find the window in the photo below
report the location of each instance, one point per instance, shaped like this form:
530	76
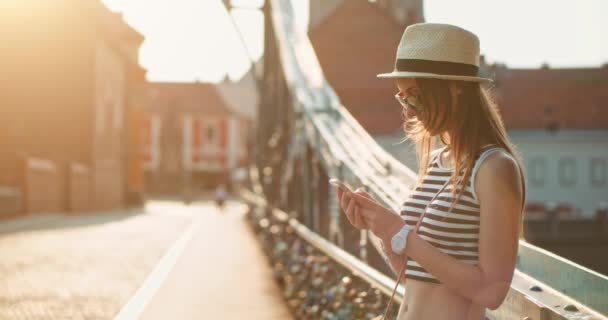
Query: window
151	142
243	132
538	168
567	172
599	171
210	133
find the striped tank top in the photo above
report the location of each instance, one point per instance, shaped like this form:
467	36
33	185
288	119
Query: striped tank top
456	233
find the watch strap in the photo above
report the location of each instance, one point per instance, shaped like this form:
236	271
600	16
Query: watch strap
402	233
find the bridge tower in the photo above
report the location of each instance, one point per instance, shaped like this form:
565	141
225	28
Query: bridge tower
354	40
404	12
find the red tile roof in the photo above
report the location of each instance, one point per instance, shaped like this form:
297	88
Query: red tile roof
185	97
568	98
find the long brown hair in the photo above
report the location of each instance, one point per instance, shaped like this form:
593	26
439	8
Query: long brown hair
474	117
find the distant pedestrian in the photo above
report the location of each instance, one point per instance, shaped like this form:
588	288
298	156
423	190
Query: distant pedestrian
220	195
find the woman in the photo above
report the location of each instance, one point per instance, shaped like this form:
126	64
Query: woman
462	259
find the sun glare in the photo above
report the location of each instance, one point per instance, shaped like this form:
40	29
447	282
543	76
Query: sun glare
191	40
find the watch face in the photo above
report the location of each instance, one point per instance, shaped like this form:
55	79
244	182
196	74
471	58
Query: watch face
397	243
398	240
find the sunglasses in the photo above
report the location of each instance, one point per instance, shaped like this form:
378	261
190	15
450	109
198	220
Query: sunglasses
411	100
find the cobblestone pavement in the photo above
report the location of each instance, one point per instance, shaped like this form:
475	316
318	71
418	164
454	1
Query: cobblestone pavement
83	266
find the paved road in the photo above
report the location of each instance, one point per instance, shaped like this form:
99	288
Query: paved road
221	274
56	266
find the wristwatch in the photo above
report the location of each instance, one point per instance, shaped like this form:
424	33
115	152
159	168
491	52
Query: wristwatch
399	240
388	252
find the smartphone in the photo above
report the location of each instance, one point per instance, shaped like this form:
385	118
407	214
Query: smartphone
340	184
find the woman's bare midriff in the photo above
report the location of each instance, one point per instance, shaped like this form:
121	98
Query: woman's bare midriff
427	300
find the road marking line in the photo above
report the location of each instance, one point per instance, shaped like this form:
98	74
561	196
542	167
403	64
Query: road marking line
138	303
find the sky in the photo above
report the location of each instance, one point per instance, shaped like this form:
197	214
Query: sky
196	40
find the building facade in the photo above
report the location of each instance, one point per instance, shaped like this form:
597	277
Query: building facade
194	139
70	83
558	119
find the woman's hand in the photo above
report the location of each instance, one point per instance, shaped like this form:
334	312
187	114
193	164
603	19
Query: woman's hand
350	208
381	221
364	212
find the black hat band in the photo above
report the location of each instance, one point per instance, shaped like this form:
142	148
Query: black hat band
437	67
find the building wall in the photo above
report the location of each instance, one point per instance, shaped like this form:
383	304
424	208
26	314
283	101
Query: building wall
62	104
161	152
209	148
404	11
201	152
134	164
151	141
570	166
43	186
108	161
45	99
79	188
171	142
320	10
233	146
245	127
237	146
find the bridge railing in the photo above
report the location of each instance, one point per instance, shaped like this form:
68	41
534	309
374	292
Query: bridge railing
305	136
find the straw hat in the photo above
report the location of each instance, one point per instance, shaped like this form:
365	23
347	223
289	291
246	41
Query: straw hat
436	50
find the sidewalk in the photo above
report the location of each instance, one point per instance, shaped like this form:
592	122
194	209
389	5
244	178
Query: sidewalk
221	273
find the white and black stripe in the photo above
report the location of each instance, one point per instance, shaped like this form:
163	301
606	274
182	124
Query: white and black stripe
455	233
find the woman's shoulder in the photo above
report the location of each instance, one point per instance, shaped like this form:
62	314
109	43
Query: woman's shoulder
435	152
500	183
495	159
499	167
495	165
500	160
